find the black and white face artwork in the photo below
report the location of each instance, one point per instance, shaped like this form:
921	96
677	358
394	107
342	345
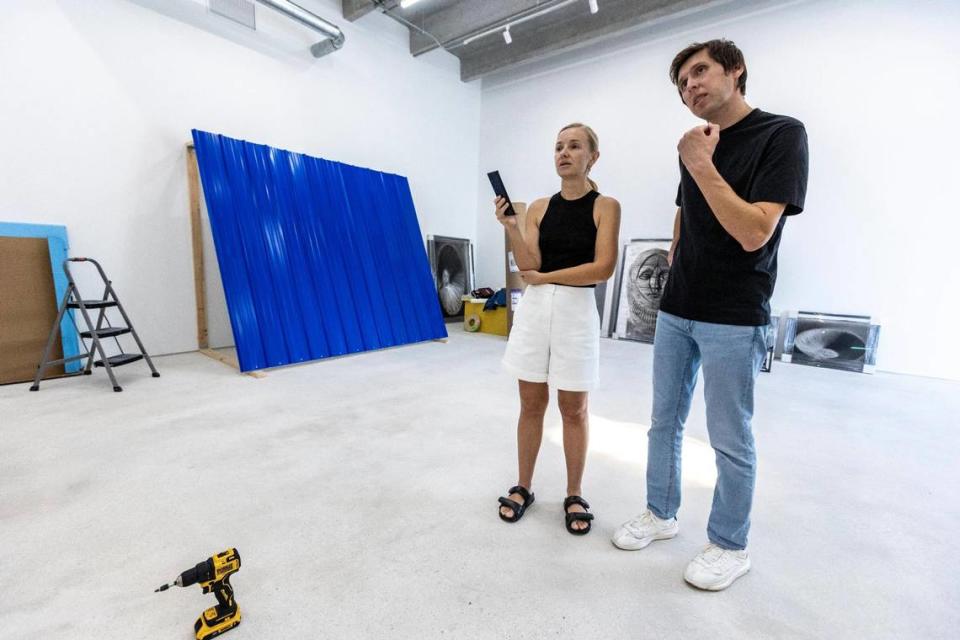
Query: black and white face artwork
647	276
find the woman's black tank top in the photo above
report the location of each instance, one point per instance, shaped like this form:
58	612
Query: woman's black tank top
568	234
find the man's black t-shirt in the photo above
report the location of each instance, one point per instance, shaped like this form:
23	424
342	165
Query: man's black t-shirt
763	158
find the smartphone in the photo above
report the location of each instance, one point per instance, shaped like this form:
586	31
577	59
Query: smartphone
501	191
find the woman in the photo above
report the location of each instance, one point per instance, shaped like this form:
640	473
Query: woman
569	244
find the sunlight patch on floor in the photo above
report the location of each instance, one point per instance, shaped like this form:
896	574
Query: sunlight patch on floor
627	442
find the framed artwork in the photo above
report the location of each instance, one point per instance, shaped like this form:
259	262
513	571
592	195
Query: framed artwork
832	341
773	334
788	328
451	261
870	356
638	288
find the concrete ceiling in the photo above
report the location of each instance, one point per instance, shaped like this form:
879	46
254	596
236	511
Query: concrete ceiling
539	28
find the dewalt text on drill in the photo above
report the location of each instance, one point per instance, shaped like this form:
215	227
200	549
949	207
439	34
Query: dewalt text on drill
213	574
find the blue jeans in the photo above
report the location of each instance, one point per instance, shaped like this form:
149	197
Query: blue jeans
731	356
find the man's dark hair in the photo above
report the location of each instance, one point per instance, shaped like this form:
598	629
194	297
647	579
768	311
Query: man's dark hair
722	51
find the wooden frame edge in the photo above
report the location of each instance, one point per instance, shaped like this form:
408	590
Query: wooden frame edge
199	280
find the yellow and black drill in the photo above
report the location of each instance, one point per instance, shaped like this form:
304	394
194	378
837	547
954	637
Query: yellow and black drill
213	574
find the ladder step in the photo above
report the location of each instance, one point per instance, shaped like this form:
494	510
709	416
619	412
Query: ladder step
109	332
120	359
92	304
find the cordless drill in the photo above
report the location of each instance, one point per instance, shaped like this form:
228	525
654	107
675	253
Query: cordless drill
213	574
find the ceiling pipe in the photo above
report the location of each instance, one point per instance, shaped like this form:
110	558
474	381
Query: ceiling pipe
334	36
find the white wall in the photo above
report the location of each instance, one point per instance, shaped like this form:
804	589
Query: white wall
98	99
877	86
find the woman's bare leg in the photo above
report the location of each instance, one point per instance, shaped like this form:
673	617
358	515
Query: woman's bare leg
534	397
573	410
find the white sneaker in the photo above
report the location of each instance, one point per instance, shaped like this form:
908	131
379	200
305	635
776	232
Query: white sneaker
645	528
715	568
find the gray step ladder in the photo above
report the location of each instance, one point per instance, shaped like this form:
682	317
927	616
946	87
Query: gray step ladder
95	332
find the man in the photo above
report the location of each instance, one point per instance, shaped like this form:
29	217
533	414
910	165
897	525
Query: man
741	175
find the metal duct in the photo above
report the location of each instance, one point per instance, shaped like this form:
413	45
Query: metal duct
334	36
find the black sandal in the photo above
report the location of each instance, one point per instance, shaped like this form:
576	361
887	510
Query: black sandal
518	508
577	516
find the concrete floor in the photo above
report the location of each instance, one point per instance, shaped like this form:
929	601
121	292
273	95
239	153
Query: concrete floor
361	494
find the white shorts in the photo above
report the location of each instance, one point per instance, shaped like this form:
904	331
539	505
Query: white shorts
556	338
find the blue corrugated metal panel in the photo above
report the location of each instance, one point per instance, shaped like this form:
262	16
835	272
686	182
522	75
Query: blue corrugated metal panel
56	236
318	258
225	228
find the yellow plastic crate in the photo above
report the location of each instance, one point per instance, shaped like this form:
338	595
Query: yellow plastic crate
494	321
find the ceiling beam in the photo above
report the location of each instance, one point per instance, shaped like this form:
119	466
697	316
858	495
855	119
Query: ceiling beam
560	31
356	9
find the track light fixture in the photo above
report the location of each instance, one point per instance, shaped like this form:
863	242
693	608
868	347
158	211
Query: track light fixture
406	3
594	8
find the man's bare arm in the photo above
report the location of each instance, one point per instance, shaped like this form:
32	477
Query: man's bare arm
750	223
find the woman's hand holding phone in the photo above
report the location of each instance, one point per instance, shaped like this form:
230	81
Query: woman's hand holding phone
501	205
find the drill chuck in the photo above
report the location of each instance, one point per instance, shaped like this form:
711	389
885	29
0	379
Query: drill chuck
203	572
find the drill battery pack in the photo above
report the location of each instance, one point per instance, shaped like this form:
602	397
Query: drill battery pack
214	621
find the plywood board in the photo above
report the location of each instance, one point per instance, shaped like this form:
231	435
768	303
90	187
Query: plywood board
28	308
